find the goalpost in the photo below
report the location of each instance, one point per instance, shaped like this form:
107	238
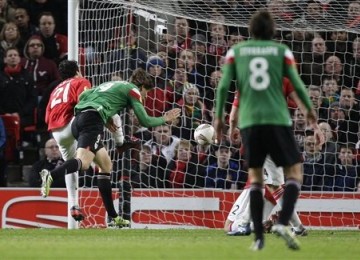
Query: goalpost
113	37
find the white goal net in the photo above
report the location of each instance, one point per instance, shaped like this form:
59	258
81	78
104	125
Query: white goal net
182	44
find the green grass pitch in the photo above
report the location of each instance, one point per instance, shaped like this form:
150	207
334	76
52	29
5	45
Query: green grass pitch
104	244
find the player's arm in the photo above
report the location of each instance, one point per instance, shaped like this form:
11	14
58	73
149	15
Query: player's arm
303	98
234	131
115	127
228	74
149	121
293	75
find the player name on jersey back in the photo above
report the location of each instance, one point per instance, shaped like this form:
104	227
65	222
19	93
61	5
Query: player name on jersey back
258	50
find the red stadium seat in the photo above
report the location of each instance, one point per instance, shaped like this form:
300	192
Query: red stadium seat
12	126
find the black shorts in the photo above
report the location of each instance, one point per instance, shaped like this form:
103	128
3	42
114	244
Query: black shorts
276	141
88	130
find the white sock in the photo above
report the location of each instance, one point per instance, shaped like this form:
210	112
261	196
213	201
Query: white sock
295	220
72	184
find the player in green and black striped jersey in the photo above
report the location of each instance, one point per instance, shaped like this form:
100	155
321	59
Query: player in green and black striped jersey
258	66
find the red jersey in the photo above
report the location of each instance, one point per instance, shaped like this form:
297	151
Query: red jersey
60	109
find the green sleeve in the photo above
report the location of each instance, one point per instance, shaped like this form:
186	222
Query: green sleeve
143	117
299	86
223	88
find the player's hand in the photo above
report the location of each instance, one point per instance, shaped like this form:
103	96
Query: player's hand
219	126
171	115
319	136
235	135
311	118
312	121
111	126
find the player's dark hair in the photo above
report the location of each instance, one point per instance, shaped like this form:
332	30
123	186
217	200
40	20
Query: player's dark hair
68	69
140	78
262	26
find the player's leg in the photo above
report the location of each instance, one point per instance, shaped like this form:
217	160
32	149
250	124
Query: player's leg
255	155
102	159
87	128
284	152
238	220
297	226
67	145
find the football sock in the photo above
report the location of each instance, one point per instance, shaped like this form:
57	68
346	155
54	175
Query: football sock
104	185
256	209
291	193
70	166
71	181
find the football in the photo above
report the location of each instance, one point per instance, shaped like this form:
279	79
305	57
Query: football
204	134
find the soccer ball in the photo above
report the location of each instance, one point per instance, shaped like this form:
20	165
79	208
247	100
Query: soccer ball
204	134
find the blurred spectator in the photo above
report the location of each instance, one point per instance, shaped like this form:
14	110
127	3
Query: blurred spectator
347	172
316	171
127	56
187	61
181	170
56	45
57	7
3	175
235	38
353	15
149	172
215	77
192	113
339	45
203	157
155	67
163	142
352	68
334	68
204	63
218	45
9	37
316	96
155	102
312	67
352	114
281	11
44	71
313	15
299	127
7	13
224	173
175	89
182	39
169	72
17	95
165	44
329	148
52	160
22	20
336	116
330	90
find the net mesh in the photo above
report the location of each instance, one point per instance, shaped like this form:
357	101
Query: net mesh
181	44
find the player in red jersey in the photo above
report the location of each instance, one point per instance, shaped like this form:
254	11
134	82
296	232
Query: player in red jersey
59	115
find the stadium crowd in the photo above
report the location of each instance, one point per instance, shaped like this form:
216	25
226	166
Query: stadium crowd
185	67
